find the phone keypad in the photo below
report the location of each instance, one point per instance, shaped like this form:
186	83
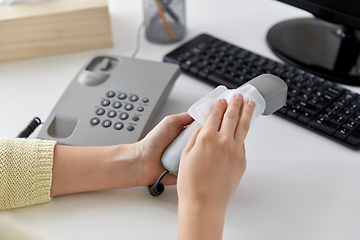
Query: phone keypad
119	110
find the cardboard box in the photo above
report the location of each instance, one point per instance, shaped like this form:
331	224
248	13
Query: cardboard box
53	27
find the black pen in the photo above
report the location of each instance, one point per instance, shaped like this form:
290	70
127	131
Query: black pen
167	9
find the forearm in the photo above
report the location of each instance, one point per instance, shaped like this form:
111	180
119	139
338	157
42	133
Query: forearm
81	169
199	221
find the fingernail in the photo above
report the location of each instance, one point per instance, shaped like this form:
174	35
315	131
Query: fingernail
239	96
223	101
251	103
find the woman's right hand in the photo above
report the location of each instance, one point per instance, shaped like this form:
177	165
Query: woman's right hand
211	168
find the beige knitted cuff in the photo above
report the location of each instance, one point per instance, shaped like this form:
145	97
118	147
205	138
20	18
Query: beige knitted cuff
25	172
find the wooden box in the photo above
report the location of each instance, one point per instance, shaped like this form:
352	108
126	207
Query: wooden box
53	27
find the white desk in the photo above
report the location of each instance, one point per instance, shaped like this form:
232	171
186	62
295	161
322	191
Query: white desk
298	184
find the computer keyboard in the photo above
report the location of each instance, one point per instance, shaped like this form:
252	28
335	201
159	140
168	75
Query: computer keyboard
313	102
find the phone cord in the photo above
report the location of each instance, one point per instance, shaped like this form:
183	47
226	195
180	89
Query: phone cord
30	128
158	188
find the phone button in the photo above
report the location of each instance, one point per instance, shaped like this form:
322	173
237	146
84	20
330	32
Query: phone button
94	121
117	104
106	123
122	96
124	116
129	107
135	118
110	94
100	111
130	128
112	114
105	102
118	126
134	98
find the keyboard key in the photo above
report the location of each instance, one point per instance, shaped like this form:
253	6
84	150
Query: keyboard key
354	137
339	119
356	117
309	108
294	113
325	125
305	117
342	133
204	73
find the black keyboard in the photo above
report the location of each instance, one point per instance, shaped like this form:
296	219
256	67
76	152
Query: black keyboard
312	102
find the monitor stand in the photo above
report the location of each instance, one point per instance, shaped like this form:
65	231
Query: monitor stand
327	50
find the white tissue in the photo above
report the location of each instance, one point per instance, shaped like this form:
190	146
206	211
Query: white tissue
201	109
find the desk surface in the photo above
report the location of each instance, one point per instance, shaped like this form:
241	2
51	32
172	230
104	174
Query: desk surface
298	184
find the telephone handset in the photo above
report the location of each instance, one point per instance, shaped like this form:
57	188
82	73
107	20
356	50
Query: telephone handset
112	100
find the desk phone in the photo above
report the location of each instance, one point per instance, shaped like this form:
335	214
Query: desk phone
112	100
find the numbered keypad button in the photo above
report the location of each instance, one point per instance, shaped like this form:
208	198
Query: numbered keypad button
134	98
129	107
117	105
100	111
106	123
124	116
122	96
118	125
110	94
112	114
105	102
94	121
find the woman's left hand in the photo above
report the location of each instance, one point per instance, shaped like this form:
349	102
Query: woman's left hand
149	150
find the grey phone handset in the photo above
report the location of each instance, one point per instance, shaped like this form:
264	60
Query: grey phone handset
112	100
267	91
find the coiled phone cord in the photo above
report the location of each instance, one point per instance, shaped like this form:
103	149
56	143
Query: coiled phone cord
30	128
158	188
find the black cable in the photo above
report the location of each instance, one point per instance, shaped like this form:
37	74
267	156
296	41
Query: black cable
30	128
158	188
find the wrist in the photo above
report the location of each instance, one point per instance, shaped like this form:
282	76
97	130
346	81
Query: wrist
200	221
82	169
205	207
124	167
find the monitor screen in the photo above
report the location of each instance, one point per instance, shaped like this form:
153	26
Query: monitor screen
346	12
351	7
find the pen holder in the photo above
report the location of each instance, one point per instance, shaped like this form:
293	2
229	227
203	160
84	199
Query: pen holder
164	20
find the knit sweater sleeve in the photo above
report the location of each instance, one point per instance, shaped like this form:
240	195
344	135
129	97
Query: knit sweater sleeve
25	172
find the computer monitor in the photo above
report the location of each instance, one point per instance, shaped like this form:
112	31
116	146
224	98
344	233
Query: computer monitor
327	45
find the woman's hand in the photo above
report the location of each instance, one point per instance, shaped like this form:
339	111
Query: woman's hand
150	148
211	168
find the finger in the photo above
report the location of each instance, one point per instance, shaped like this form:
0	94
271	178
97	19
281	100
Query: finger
179	121
184	119
191	142
213	121
173	125
244	121
232	115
